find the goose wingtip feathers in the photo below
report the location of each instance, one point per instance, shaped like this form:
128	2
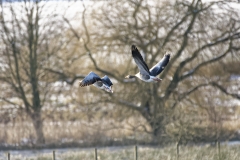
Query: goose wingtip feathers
168	54
134	47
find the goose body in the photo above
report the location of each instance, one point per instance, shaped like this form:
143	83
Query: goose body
101	83
144	73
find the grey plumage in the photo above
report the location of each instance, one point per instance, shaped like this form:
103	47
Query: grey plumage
159	67
144	73
142	66
107	80
93	79
90	79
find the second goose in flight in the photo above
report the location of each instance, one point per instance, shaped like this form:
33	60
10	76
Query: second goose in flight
145	74
101	83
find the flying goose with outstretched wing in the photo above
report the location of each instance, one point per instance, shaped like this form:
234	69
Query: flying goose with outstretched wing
144	73
101	83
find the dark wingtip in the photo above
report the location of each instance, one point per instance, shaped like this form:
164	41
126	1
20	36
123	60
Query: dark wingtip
81	84
168	54
134	47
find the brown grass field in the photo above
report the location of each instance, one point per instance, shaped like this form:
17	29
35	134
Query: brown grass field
189	152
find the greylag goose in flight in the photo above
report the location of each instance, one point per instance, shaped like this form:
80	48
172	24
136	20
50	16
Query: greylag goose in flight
145	74
101	83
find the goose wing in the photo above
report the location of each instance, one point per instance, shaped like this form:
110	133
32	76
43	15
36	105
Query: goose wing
142	66
90	79
159	67
107	80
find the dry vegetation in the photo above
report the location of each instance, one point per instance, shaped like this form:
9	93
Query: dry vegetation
204	152
44	55
98	128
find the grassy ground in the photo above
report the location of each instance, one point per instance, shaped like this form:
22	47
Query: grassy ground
105	132
206	152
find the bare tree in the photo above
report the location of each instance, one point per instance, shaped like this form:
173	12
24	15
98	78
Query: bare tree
203	39
30	40
200	36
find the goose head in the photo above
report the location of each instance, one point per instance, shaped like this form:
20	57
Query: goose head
108	89
130	76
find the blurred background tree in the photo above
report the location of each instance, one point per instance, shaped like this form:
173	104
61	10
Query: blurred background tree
203	41
202	37
30	41
41	61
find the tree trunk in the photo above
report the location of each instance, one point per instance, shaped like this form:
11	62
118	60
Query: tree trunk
38	126
157	130
154	117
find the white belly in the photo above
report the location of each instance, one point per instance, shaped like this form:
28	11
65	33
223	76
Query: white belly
95	84
145	80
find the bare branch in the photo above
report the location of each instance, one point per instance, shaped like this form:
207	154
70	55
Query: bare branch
64	77
89	51
184	95
72	29
175	80
9	102
221	88
191	72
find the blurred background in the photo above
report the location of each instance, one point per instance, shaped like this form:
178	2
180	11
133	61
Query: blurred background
48	46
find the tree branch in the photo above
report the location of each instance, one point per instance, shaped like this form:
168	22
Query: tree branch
9	102
184	95
173	84
71	28
64	77
221	88
89	51
191	72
